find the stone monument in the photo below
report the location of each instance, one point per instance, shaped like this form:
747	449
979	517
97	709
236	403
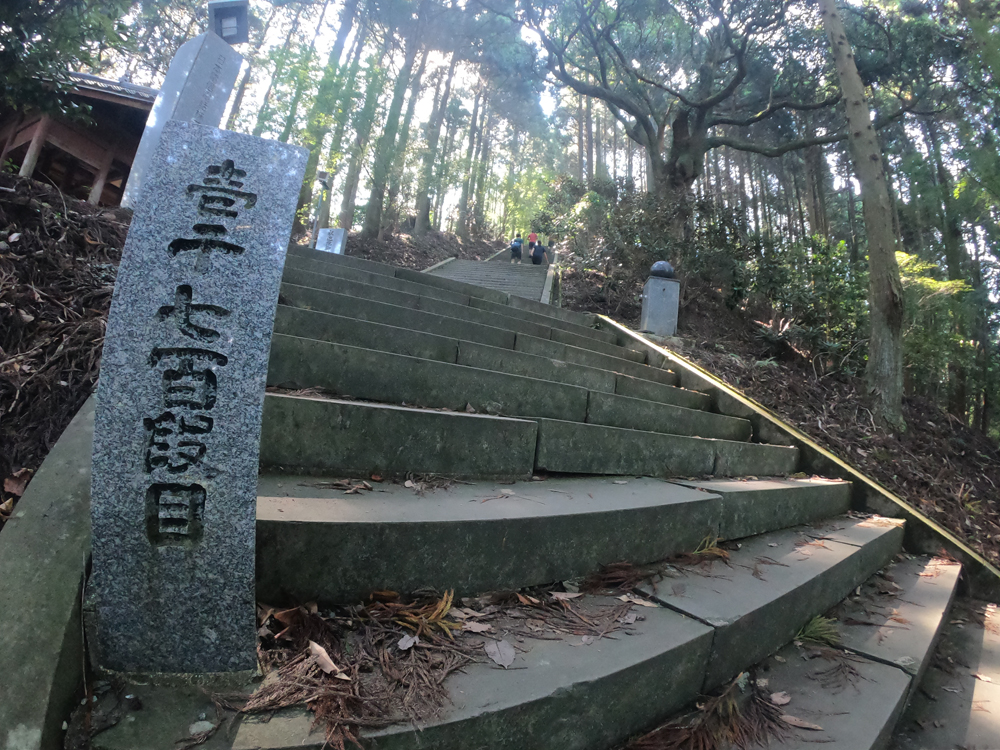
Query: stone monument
331	240
660	299
181	392
196	89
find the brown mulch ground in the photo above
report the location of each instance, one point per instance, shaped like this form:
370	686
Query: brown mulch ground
941	466
420	252
58	258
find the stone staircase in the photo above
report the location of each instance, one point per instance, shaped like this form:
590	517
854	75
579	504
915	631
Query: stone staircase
580	452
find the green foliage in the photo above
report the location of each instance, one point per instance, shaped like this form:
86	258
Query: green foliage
40	42
934	311
821	630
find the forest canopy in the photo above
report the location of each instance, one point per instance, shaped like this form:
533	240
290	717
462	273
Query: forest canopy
754	143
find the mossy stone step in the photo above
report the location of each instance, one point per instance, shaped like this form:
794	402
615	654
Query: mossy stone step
309	435
489	536
570	448
355	372
770	587
907	606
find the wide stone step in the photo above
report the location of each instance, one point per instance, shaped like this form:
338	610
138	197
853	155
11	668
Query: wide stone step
587	320
356	372
496	316
560	346
309	434
522	280
398	379
572	448
335	271
314	435
957	703
488	536
775	583
562	363
558	695
592	694
331	277
889	630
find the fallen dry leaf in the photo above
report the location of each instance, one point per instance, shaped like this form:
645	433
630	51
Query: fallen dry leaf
565	595
476	627
16	482
407	642
780	699
982	677
325	662
637	600
500	652
793	721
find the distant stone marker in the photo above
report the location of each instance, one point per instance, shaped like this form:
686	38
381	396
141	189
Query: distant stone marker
196	89
181	393
331	240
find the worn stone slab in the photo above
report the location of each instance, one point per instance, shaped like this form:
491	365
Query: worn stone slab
315	436
550	320
427	304
534	366
587	342
900	612
313	324
501	298
304	251
398	379
665	393
326	275
581	318
856	707
553	696
613	410
754	506
772	586
955	708
595	449
393	315
498	536
180	398
43	549
590	358
196	89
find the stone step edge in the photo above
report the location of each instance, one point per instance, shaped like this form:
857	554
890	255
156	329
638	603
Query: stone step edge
876	701
503	536
722	451
651	375
585	319
924	534
595	406
372	291
293	727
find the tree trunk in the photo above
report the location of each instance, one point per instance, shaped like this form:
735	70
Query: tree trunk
318	119
265	111
423	222
463	204
386	148
345	103
303	78
580	138
444	172
245	79
363	124
885	291
590	139
399	160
